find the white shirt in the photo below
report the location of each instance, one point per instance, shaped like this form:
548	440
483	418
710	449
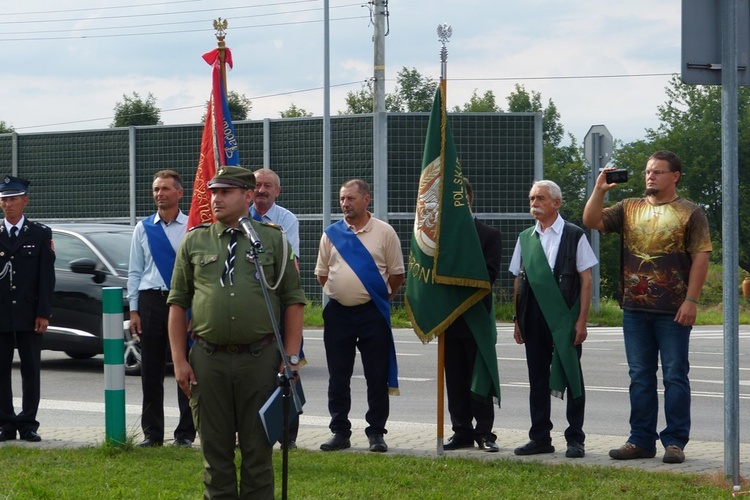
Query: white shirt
19	225
550	240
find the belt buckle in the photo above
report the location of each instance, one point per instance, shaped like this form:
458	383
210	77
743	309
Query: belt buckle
208	348
233	349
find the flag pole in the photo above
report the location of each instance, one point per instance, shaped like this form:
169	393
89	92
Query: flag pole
221	25
444	32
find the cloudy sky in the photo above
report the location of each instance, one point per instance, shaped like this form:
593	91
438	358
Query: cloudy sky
66	64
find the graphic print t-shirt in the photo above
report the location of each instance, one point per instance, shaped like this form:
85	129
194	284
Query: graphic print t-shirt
657	241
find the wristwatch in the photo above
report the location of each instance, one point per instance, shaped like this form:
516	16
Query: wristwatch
293	359
515	318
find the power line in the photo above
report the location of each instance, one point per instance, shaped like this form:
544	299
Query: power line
172	23
128	16
88	9
174	32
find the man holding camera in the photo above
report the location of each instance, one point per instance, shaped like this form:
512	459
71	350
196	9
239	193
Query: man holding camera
665	249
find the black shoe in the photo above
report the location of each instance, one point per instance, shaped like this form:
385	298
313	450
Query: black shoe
337	442
7	435
149	443
292	445
183	442
455	443
377	443
30	436
534	448
575	450
489	446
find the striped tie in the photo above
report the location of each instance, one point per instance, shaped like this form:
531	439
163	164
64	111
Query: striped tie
229	264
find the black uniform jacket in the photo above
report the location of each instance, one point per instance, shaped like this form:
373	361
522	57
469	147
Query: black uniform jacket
492	247
27	276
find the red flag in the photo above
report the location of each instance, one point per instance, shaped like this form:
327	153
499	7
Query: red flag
218	143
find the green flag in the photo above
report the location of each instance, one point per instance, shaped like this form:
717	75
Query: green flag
447	276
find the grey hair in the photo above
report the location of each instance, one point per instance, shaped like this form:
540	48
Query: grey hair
554	190
276	177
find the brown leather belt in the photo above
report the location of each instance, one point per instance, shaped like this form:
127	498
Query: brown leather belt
239	348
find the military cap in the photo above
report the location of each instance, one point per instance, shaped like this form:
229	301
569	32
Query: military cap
13	186
232	177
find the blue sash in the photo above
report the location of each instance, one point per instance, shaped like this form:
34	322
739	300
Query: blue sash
359	259
161	249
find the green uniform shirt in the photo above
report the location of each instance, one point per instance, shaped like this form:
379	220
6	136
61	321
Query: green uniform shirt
232	314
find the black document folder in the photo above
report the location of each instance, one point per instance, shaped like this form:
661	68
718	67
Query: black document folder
272	412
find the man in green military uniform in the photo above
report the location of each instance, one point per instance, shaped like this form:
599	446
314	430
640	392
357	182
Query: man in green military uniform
234	361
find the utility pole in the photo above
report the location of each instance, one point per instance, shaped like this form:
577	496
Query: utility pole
379	118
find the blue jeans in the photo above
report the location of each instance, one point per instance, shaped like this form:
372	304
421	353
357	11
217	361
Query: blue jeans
647	336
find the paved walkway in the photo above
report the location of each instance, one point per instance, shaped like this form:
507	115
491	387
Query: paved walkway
702	457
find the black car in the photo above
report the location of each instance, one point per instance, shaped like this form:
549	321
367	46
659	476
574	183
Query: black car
89	257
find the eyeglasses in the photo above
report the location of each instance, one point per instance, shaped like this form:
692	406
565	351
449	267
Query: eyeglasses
657	172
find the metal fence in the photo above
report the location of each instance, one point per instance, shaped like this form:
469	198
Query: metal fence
106	175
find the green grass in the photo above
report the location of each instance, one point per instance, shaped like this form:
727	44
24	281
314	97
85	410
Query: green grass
609	314
107	472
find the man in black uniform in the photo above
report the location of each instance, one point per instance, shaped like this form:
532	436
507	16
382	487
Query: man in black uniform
27	283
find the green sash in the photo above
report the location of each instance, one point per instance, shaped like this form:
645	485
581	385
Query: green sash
565	369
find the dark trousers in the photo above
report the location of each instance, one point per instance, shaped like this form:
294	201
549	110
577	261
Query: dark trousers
539	346
347	329
154	312
294	425
225	402
460	354
29	345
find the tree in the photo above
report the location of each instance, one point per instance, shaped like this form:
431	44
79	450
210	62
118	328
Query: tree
362	101
690	125
294	112
484	104
415	92
521	101
135	111
562	164
5	128
239	106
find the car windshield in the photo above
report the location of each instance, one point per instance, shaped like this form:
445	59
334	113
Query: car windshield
115	245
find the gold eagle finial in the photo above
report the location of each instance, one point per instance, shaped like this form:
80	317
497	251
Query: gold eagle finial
221	25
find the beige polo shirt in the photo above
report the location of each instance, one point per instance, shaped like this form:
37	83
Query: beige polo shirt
343	285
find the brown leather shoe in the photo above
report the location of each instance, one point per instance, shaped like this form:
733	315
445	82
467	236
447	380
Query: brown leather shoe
629	451
673	454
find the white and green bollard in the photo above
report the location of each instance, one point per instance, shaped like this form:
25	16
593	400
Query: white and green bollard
114	367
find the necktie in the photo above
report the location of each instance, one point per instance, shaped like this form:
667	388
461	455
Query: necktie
13	233
229	264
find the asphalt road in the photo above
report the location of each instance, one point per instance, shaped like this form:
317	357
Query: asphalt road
73	391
